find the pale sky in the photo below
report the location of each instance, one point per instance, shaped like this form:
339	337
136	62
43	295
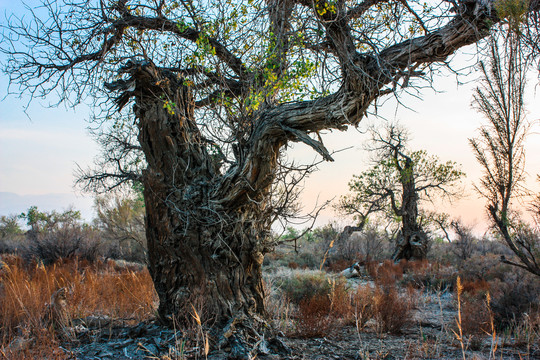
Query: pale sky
39	151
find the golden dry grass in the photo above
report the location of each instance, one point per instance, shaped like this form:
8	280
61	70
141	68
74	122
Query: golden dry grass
93	289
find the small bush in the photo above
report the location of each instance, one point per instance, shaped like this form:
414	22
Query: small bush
514	299
386	273
63	243
314	317
384	304
370	244
488	267
475	313
320	313
341	301
318	302
392	311
305	285
433	277
339	265
363	302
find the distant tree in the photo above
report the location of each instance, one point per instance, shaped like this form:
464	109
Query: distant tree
54	235
291	233
11	234
327	233
395	185
120	217
9	226
44	221
499	148
372	243
464	243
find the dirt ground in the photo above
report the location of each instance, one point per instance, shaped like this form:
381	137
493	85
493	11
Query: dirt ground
428	336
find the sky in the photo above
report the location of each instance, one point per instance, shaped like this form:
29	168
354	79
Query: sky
40	148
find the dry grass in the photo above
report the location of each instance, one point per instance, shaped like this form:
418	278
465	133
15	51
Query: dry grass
93	289
338	265
386	273
392	310
325	304
314	317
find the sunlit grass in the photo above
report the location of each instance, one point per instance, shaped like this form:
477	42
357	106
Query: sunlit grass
93	289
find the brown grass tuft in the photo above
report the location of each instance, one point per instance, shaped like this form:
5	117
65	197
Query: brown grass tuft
475	287
392	311
314	317
339	265
386	273
91	289
319	313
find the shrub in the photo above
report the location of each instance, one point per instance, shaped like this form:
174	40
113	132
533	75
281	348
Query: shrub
370	244
319	313
304	285
9	246
339	265
514	299
430	276
120	218
488	267
363	303
384	304
475	287
277	306
341	301
386	273
11	234
392	311
314	318
61	243
475	313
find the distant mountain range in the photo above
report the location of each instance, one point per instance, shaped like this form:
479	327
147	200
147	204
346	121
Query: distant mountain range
11	203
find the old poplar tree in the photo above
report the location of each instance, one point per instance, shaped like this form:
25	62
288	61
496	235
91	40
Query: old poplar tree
215	90
396	184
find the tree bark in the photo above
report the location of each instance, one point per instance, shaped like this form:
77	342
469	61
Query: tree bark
203	257
214	270
412	241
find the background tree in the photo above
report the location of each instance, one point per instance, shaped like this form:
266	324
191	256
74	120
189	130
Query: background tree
54	235
40	222
499	148
11	234
120	217
9	226
216	90
464	244
394	186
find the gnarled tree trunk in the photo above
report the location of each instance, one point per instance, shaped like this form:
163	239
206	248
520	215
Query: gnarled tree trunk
204	256
412	241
